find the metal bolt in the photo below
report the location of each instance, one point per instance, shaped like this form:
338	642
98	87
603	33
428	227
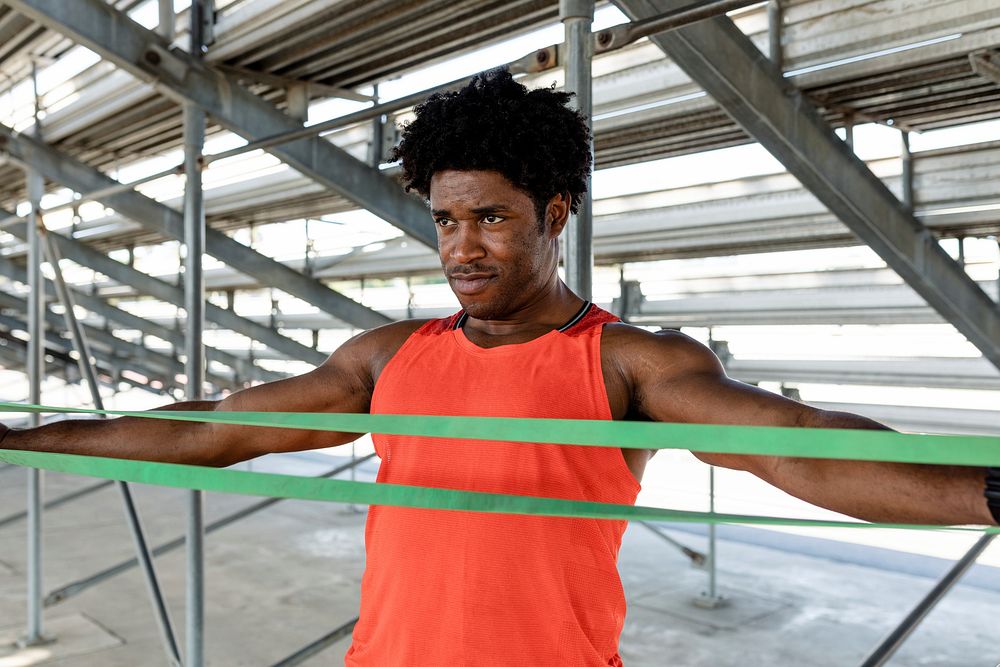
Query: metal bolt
542	56
604	37
152	57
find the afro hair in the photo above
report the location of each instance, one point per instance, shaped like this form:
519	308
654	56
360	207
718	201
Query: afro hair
496	124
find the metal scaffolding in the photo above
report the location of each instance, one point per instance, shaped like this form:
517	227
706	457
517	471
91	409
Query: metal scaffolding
750	96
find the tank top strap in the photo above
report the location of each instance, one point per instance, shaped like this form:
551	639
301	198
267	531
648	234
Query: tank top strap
595	316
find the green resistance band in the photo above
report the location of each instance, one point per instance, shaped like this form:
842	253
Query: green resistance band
861	445
397	495
964	450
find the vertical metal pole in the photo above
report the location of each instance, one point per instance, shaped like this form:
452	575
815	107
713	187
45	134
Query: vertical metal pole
907	171
774	29
36	369
849	131
378	133
710	598
166	25
297	101
711	535
961	251
577	17
194	304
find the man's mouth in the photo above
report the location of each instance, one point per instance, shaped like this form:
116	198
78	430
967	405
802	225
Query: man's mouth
470	283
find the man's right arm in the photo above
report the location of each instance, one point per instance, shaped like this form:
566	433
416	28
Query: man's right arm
343	383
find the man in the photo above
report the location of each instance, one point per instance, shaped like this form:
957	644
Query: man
503	168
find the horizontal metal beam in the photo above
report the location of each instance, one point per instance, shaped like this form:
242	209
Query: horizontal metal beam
13	352
64	169
84	255
64	367
243	367
943	372
148	56
143	359
726	63
59	348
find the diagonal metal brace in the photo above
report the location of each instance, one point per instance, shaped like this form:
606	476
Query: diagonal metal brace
144	54
744	82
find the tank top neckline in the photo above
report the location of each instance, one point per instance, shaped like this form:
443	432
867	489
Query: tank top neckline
458	332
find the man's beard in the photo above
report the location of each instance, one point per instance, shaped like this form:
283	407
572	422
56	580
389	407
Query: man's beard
500	303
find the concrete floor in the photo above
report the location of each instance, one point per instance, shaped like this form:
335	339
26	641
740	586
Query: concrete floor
288	575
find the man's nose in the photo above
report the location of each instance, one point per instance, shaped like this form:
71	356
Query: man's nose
466	244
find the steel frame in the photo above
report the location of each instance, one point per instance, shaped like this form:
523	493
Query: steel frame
59	348
726	63
242	367
141	52
736	75
84	255
62	168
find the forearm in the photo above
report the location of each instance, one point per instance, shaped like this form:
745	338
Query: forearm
888	492
139	438
880	491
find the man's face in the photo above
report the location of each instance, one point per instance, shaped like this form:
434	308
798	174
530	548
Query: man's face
494	253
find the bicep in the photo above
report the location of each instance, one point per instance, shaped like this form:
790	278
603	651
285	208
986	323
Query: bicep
688	384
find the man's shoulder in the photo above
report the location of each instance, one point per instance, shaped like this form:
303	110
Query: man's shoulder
631	347
623	333
388	338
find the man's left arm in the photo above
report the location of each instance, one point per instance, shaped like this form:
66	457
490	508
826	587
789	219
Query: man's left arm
879	491
676	379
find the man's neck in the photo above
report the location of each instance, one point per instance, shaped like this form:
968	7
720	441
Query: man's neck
548	311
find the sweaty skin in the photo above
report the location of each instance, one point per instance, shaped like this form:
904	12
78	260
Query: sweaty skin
502	265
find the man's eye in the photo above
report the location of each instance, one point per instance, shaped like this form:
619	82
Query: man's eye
492	219
443	222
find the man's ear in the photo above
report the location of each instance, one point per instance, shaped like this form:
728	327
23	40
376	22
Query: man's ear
557	213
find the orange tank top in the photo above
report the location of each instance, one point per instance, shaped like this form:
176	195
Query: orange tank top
465	588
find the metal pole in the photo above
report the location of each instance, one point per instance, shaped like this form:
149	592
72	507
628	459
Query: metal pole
35	368
774	29
166	25
194	304
86	363
895	639
618	36
697	558
378	133
577	16
712	590
319	645
907	171
710	599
